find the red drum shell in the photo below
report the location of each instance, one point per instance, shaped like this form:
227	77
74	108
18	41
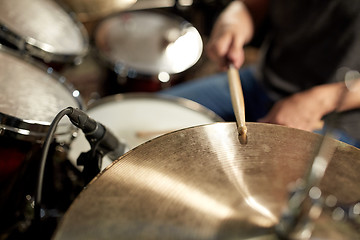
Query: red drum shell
31	95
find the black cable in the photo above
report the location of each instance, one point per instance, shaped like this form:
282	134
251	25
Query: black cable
47	142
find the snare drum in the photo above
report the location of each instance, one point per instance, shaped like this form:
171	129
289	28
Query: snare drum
146	49
137	117
42	29
30	98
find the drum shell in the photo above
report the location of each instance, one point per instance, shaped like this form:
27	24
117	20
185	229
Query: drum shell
18	168
31	96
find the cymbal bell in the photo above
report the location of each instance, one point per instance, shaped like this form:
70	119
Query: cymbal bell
202	183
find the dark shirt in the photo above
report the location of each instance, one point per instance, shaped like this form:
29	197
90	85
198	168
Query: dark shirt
308	41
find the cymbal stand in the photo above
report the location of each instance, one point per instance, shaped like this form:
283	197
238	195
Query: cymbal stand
306	202
349	213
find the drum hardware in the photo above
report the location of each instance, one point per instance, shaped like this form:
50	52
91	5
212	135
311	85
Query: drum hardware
101	140
340	212
135	118
305	203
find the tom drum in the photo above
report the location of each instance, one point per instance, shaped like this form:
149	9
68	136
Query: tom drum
42	29
146	49
30	96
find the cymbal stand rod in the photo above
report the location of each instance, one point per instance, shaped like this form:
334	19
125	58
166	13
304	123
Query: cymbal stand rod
237	99
298	220
303	206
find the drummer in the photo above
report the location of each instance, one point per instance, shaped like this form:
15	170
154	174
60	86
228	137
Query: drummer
308	51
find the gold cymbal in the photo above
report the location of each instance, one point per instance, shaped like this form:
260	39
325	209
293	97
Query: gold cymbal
201	183
89	10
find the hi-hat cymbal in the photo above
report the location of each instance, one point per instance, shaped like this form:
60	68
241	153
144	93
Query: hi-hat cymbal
201	183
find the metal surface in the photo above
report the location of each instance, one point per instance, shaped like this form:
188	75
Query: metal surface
89	10
148	43
31	95
306	194
201	183
43	29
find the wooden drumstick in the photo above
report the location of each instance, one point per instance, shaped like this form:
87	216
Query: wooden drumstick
151	133
237	99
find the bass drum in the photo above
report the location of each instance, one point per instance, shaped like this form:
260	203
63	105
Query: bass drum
135	118
42	29
145	50
31	95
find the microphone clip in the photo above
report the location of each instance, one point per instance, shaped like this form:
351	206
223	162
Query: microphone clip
101	142
92	159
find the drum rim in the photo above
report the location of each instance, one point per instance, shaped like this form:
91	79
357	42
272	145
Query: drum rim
118	66
29	129
187	103
37	48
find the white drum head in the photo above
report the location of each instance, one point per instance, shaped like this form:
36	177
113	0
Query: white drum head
137	118
31	96
148	42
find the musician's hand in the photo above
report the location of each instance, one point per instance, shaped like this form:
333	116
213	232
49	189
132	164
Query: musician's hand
232	30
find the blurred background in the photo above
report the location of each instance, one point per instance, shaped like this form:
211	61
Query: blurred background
98	74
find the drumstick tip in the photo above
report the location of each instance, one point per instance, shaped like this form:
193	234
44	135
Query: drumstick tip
242	130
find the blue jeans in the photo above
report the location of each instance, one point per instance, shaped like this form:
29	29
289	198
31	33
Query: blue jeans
213	93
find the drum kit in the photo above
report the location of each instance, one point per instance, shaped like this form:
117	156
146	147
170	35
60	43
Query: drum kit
185	173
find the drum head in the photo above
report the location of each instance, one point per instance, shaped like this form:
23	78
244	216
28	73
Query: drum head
137	118
31	96
42	28
202	183
148	42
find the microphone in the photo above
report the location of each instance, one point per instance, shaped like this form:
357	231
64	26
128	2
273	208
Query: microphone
95	131
101	140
